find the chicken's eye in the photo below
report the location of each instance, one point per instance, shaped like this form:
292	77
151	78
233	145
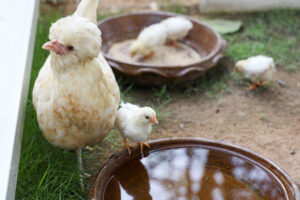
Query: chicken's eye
147	117
70	48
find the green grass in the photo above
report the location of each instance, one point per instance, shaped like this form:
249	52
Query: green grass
274	33
46	172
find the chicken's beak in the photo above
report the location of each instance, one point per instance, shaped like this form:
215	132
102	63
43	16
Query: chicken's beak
132	55
56	47
154	120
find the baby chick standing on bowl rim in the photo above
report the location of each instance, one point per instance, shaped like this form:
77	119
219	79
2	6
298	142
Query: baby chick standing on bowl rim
135	123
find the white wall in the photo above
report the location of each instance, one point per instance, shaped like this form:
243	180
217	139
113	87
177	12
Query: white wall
18	19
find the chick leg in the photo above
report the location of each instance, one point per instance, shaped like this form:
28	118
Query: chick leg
79	161
261	84
141	146
252	86
148	56
173	43
126	146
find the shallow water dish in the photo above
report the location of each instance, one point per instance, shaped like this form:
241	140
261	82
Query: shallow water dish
201	38
186	168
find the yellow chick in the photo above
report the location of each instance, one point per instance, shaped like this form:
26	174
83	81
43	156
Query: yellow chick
177	28
150	37
135	123
258	69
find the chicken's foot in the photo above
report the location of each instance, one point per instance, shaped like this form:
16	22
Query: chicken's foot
141	146
173	43
148	56
126	146
255	85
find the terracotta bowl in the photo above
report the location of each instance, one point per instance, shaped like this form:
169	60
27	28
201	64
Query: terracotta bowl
201	38
186	168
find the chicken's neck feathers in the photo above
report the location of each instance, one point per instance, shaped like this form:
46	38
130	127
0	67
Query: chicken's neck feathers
61	64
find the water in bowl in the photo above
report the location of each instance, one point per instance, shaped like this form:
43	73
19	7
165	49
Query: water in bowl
192	174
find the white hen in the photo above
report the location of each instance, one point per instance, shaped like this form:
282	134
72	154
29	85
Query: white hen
152	36
135	123
76	95
177	28
259	69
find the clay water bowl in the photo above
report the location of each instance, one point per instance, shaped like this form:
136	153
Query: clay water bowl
201	38
191	169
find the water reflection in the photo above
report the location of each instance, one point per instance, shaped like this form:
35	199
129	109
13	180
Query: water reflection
177	174
131	182
192	174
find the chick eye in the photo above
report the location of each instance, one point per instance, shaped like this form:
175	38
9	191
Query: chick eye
70	48
147	117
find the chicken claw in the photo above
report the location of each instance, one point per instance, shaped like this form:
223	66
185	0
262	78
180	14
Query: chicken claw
148	56
126	146
173	43
141	146
251	86
255	85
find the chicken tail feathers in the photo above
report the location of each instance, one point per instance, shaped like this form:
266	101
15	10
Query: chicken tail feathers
87	9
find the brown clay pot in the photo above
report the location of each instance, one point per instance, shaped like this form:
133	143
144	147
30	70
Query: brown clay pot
128	172
202	38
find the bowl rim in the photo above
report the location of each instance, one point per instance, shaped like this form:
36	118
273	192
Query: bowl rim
118	158
214	52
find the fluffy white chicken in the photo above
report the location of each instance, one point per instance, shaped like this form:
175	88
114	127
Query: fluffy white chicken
135	123
177	28
259	69
76	95
152	36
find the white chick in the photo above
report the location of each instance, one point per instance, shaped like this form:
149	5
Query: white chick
135	123
177	28
150	37
76	95
259	69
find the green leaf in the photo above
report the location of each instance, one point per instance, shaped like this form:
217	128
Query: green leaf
223	26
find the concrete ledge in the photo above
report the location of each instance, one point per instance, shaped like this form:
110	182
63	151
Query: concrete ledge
18	20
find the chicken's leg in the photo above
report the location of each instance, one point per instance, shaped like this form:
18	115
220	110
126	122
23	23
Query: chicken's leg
79	162
126	146
148	56
261	84
255	85
173	43
252	86
141	146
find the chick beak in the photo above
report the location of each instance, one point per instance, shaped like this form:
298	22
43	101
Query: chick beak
56	47
154	120
132	55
